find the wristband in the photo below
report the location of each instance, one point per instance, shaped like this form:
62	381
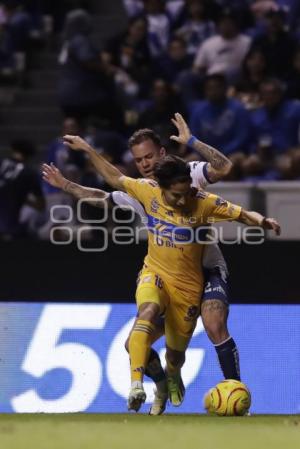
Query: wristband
191	141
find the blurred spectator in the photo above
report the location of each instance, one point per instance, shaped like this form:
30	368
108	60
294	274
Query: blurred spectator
278	119
133	7
130	52
225	52
19	186
276	44
260	8
158	25
18	23
107	141
254	71
85	88
221	122
211	12
174	62
57	10
173	9
293	80
196	27
70	163
165	102
275	134
136	7
126	89
241	9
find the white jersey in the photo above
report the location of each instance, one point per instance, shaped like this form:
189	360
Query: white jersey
199	174
212	256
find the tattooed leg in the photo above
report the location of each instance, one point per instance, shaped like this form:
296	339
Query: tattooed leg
214	316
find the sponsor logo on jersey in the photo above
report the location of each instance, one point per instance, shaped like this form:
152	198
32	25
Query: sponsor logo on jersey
218	289
221	202
154	205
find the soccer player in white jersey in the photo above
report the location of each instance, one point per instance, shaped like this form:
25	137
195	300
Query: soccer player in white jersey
147	150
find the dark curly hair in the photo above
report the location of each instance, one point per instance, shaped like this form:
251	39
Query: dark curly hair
170	170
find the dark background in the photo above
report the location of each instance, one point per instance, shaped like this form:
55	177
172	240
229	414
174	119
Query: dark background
41	271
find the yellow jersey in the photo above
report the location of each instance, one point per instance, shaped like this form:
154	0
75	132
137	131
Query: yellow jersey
175	238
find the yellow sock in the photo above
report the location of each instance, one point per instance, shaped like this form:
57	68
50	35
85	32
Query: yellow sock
139	348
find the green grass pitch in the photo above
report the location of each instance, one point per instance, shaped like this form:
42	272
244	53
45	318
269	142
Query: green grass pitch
83	431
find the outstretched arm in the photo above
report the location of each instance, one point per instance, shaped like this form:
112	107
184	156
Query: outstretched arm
255	219
218	164
111	174
53	176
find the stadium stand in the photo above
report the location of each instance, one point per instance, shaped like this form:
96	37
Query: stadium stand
141	56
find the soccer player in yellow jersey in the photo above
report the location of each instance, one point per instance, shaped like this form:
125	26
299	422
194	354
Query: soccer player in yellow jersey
171	281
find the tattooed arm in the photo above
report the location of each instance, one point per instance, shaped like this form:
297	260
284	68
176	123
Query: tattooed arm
251	218
53	176
218	164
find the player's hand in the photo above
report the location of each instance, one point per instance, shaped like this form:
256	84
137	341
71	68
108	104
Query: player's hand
184	132
76	143
53	176
272	224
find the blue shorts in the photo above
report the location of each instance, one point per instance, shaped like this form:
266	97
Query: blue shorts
215	286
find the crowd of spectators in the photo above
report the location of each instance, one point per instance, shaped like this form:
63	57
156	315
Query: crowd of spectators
24	25
232	68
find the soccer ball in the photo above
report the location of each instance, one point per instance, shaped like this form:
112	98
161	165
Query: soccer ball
228	398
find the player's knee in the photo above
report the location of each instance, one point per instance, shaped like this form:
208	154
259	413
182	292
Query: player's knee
217	332
149	312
